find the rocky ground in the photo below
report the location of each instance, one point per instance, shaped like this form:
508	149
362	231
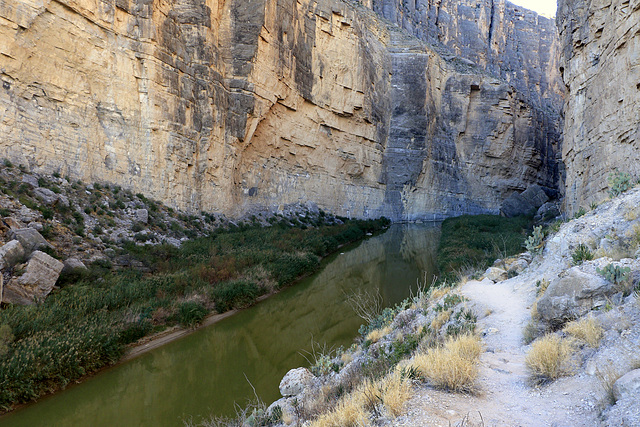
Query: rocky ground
51	226
517	302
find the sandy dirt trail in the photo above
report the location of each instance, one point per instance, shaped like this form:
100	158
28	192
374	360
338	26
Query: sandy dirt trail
505	395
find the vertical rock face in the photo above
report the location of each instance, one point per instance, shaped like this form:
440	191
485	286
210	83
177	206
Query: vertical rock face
512	43
601	67
238	105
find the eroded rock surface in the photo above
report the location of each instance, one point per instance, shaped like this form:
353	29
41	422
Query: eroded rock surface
235	106
36	283
601	68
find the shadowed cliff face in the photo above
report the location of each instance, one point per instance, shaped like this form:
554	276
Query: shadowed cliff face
512	43
237	106
601	67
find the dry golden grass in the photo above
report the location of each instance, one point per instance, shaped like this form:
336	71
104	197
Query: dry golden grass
442	318
437	293
349	412
542	286
549	358
396	391
467	346
587	330
346	358
534	311
377	334
391	392
453	366
608	375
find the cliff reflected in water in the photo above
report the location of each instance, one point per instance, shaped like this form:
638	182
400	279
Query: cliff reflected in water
204	373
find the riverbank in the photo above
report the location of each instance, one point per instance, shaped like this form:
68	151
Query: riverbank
133	288
560	339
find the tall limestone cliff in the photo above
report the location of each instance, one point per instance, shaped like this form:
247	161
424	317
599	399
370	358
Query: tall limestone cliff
239	105
601	67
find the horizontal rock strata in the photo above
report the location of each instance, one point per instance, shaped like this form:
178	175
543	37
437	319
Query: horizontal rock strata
240	106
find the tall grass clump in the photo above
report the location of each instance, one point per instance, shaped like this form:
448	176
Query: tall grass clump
582	253
587	330
549	358
453	366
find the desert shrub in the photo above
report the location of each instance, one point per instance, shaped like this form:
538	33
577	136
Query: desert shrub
587	330
535	242
134	331
549	358
581	212
454	366
581	253
619	182
616	274
191	313
235	294
377	334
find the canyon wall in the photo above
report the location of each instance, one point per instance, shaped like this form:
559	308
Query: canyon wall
601	67
238	106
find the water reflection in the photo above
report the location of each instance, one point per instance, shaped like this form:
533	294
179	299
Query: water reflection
204	373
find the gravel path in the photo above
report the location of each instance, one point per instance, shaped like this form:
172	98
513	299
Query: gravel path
505	397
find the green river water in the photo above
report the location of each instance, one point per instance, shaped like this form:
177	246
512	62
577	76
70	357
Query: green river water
204	373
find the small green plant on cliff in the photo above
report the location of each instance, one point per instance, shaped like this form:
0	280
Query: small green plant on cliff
581	254
535	242
619	182
616	274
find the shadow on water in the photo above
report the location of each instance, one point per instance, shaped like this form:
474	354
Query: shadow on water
204	373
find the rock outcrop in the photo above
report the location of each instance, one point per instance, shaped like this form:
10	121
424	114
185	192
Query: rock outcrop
39	278
241	106
600	63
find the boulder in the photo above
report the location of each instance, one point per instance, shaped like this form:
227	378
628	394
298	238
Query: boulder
517	266
29	238
295	381
36	225
11	253
36	283
573	296
142	215
31	180
63	200
13	223
547	211
73	264
524	203
46	195
495	274
628	386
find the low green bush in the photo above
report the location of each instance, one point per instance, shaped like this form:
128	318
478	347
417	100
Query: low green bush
235	294
191	313
619	182
582	253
